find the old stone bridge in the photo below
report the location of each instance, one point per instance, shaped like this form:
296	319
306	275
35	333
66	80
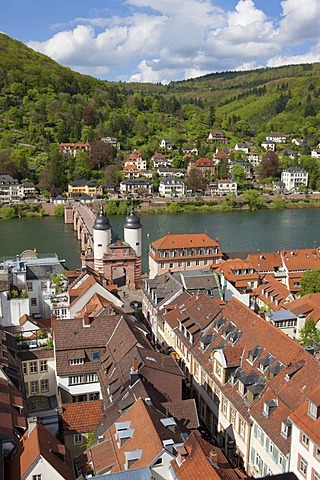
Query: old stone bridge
82	218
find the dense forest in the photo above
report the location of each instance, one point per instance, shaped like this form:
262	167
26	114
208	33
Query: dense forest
43	104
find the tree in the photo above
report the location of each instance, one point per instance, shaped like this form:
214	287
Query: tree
310	282
309	334
239	175
196	180
102	154
253	199
112	174
269	165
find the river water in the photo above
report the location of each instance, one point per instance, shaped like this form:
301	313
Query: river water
244	231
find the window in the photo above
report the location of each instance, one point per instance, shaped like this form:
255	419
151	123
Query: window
170	265
33	302
44	385
305	440
34	387
312	410
242	428
162	264
180	264
218	369
75	379
316	476
92	377
317	452
24	368
224	406
77	361
33	367
197	263
95	356
94	396
188	263
302	466
37	477
43	366
29	286
78	440
26	388
233	417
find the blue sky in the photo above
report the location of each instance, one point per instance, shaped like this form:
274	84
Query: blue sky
165	40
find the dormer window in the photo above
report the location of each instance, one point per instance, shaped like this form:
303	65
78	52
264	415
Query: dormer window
313	410
286	429
77	361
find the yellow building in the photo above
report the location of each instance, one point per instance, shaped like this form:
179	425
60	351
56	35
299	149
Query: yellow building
78	188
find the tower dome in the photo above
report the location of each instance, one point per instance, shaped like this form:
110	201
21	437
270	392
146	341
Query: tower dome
101	222
132	221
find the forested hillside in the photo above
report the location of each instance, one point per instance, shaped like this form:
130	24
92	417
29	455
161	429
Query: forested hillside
43	103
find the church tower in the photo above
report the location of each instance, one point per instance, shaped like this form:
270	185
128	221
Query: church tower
101	239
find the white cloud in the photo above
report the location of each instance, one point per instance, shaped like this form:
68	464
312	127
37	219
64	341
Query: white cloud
310	57
187	37
301	21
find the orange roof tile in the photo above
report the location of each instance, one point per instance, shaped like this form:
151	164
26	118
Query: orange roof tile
40	443
194	463
301	418
189	240
82	417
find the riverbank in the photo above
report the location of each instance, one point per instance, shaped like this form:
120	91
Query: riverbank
171	205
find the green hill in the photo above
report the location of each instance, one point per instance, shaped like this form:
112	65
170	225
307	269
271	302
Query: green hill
42	102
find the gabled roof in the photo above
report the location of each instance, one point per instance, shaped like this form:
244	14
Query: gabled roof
12	418
146	431
199	460
189	240
301	260
265	262
40	443
308	306
81	417
73	334
273	293
309	425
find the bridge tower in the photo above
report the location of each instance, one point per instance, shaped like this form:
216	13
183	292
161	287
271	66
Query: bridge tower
101	239
133	236
133	231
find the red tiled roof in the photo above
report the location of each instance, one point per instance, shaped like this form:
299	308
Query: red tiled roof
40	443
308	305
148	435
82	417
189	240
301	418
196	464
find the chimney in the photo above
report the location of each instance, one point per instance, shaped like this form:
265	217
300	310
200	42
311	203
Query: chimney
134	375
86	320
32	423
213	457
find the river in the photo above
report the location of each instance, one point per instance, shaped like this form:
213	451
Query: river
243	231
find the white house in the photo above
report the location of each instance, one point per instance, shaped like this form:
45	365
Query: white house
315	153
166	144
305	444
276	137
268	145
294	177
223	187
172	187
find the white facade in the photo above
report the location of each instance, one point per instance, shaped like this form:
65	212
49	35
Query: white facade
81	302
294	178
315	153
133	237
172	187
265	457
40	377
41	470
305	455
101	240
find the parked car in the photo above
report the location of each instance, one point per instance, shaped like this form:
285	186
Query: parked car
135	304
